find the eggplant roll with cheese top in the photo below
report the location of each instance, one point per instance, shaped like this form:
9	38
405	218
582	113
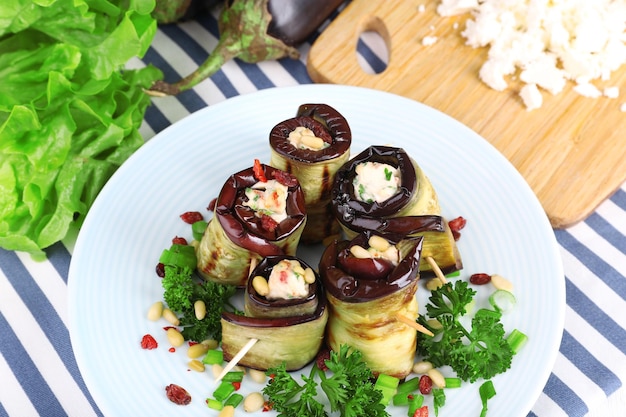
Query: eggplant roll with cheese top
285	310
369	282
313	146
259	212
382	189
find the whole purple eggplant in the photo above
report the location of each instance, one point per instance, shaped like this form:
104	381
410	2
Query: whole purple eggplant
255	31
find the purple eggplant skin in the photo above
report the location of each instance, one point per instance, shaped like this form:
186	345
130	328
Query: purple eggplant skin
294	21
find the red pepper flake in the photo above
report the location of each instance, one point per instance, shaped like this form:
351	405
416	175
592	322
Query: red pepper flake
267	406
257	169
190	217
191	343
172	349
267	223
237	385
166	328
148	342
177	394
285	178
421	412
179	241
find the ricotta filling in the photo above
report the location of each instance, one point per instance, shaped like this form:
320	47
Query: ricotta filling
269	198
304	138
375	182
287	281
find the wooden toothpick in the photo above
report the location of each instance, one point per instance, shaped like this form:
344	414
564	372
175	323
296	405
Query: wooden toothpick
413	324
235	360
436	270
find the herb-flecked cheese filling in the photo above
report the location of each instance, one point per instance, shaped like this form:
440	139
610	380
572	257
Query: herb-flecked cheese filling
375	182
268	198
287	281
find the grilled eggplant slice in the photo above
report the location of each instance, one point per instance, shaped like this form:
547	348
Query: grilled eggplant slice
364	307
313	146
412	210
239	233
288	330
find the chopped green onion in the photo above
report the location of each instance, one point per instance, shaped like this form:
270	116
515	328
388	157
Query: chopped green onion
516	340
214	404
486	391
224	390
453	274
409	385
387	385
415	403
453	382
502	300
179	255
198	228
213	357
233	376
235	399
401	399
439	399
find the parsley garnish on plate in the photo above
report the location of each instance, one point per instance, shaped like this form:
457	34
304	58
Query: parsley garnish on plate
481	351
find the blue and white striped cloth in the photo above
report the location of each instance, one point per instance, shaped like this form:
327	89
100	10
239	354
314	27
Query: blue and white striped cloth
38	372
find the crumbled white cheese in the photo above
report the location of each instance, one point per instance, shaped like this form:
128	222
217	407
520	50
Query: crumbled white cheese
375	182
547	41
531	96
611	92
587	90
268	198
286	281
421	8
622	108
429	40
304	138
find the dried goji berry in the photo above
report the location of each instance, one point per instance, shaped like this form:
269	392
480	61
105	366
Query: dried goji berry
179	241
267	406
148	342
177	394
190	217
267	223
160	269
456	225
285	178
322	356
236	385
480	278
257	169
426	384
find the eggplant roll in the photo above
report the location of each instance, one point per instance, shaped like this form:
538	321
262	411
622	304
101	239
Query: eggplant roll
313	146
254	217
384	190
366	293
288	321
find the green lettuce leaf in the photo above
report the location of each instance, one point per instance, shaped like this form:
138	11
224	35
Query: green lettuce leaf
69	110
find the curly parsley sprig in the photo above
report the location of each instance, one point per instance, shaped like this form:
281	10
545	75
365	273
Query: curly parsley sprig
348	388
479	352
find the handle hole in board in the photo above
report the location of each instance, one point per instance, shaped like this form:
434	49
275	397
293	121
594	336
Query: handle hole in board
372	48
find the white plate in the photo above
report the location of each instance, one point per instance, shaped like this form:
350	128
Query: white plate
112	280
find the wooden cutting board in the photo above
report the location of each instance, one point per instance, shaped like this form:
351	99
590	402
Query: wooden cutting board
571	151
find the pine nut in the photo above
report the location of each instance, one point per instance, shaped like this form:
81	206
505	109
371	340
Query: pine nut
227	411
309	276
175	337
216	369
257	376
197	350
196	365
298	269
501	283
155	311
170	316
253	402
422	367
437	377
379	243
260	285
433	284
199	308
434	324
360	252
210	343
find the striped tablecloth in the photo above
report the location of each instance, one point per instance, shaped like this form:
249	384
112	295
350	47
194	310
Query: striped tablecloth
38	372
